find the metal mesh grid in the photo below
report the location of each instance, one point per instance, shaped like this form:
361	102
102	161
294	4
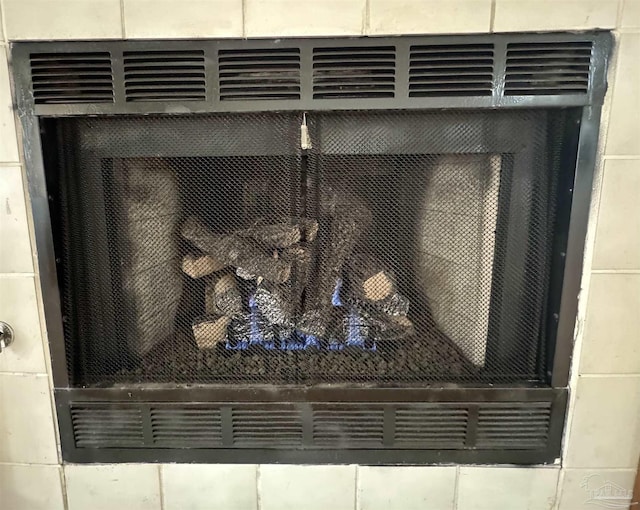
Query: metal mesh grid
403	247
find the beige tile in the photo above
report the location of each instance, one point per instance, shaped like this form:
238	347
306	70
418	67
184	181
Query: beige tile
527	15
15	248
30	487
1	25
264	18
26	420
623	137
309	487
414	488
183	18
428	16
202	487
583	488
631	14
488	488
8	138
113	486
605	426
617	244
610	344
19	308
63	19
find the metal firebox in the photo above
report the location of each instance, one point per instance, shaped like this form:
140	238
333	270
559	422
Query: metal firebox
312	250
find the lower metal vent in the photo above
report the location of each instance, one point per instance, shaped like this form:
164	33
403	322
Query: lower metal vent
274	426
106	426
432	425
508	426
344	427
186	426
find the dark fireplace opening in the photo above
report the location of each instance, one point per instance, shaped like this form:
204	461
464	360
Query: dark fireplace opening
402	247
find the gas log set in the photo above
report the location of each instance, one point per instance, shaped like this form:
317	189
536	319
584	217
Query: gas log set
294	284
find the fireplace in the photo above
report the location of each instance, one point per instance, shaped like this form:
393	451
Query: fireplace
361	250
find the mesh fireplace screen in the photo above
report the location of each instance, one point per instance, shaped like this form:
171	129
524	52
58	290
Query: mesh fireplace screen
403	247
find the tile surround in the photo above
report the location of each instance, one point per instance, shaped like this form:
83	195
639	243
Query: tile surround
578	483
288	487
274	18
605	427
534	15
623	136
31	487
203	487
187	18
408	488
390	17
19	308
15	248
26	420
63	19
8	138
617	244
496	488
113	487
607	438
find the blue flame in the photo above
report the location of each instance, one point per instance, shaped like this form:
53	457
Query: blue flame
335	298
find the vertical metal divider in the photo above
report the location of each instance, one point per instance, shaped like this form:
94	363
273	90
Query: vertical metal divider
226	424
499	67
147	427
389	425
117	69
212	73
473	411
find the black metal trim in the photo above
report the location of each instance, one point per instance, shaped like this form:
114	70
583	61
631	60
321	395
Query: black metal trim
21	52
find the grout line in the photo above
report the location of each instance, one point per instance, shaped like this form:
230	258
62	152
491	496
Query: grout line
366	19
17	275
492	16
5	37
619	13
620	470
29	464
615	271
9	163
456	486
559	486
24	374
160	487
122	22
63	482
258	491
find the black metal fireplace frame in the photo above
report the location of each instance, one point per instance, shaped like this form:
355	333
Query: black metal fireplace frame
552	396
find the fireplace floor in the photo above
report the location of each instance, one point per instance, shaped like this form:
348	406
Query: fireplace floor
179	361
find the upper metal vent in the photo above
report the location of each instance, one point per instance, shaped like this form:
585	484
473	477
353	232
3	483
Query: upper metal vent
258	74
71	77
164	75
451	70
354	72
548	68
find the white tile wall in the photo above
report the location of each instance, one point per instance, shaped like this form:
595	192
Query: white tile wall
30	487
205	487
188	18
408	488
391	17
265	18
19	308
605	429
15	249
530	15
63	19
580	489
491	488
603	438
284	487
26	420
113	487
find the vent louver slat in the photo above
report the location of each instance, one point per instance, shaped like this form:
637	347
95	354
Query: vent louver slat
354	72
431	426
256	74
266	428
451	70
164	75
107	427
186	426
514	427
71	77
346	428
548	68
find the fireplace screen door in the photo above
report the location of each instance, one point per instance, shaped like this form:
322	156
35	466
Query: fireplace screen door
401	247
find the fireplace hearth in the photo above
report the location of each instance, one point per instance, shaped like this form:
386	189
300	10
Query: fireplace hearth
312	250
